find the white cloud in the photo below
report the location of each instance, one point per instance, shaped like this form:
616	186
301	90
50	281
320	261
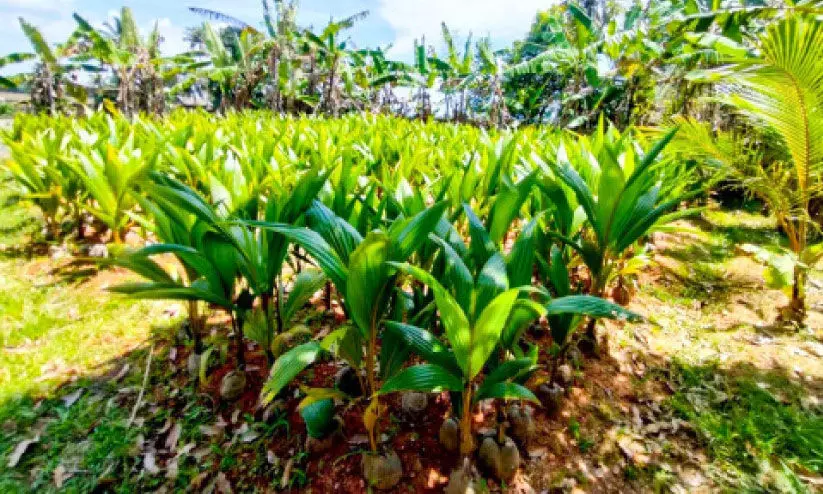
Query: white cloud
38	6
172	35
503	21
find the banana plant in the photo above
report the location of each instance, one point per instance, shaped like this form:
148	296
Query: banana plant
11	59
134	61
333	54
48	83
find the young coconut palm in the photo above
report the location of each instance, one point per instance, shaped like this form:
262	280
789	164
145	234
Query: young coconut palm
111	168
782	87
359	269
623	194
217	257
38	163
474	314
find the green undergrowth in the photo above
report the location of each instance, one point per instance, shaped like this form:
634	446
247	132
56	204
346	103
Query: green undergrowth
52	326
57	339
761	430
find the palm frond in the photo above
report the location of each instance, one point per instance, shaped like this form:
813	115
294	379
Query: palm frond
784	89
13	58
221	17
38	42
129	33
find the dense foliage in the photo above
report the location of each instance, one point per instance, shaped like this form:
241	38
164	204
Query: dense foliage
237	199
450	245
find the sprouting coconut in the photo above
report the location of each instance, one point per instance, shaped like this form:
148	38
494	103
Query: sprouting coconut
522	423
382	471
450	434
461	480
565	375
489	455
509	460
414	404
551	397
501	461
621	293
233	385
346	380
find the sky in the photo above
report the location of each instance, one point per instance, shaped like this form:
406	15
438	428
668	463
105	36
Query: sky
390	22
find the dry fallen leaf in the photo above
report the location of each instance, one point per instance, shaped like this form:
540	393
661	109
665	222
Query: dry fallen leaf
173	437
201	453
150	463
20	450
166	427
284	482
223	485
188	448
72	398
60	476
210	430
172	468
197	481
121	373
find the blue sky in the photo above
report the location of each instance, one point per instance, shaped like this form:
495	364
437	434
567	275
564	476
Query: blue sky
397	22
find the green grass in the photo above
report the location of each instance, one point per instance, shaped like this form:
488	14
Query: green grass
753	423
760	426
50	326
59	336
62	336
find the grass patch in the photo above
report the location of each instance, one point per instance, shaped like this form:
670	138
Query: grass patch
57	337
47	323
757	427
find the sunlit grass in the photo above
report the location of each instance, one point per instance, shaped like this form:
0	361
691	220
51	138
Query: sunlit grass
53	330
752	423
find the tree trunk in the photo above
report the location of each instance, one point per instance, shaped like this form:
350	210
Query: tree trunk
466	436
237	323
330	103
797	306
266	303
274	64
